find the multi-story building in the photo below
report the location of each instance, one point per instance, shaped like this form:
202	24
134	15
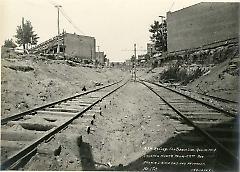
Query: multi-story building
73	45
151	49
202	25
100	58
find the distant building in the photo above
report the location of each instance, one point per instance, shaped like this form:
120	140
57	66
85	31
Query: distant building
100	58
128	63
202	24
151	49
79	46
107	63
142	58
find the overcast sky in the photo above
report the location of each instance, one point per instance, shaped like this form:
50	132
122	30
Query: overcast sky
115	24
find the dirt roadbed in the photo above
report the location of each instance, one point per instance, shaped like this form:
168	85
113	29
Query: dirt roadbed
129	123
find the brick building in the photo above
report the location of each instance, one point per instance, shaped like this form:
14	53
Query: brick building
100	58
151	49
202	24
78	46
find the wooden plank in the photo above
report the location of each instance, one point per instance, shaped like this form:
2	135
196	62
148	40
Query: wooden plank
202	113
209	117
56	113
55	109
23	135
216	129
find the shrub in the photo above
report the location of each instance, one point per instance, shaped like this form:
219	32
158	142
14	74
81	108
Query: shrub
177	74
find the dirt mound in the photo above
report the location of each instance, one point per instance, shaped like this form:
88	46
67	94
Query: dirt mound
30	82
221	81
20	68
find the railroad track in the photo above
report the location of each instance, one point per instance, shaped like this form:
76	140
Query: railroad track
226	104
218	98
21	134
213	124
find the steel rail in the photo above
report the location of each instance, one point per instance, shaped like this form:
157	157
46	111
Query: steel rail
222	147
218	98
20	115
22	153
196	100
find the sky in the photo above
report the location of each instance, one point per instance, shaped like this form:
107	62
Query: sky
115	24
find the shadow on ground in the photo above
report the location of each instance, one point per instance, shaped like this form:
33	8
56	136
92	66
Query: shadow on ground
184	152
86	157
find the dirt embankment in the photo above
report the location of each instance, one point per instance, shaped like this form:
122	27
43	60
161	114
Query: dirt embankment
29	82
220	80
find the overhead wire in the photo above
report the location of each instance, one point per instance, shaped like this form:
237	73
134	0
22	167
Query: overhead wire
70	21
63	12
172	5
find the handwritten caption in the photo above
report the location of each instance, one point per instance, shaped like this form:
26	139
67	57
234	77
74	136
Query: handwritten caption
193	159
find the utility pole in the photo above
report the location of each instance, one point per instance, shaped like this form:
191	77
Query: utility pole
98	60
58	47
23	34
134	63
135	51
91	52
162	17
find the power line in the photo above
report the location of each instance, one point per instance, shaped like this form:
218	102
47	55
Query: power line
171	6
70	21
66	17
52	3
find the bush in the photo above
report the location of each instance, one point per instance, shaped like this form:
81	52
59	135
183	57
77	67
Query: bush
176	74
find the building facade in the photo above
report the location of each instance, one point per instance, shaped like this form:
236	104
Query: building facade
100	58
151	49
202	24
73	45
79	46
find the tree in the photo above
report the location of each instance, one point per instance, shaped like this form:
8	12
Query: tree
34	39
9	43
159	35
105	58
133	58
25	35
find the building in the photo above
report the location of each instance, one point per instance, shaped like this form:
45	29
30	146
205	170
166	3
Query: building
128	63
202	25
73	45
108	63
151	49
141	58
100	58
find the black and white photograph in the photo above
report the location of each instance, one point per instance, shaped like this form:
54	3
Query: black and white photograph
120	85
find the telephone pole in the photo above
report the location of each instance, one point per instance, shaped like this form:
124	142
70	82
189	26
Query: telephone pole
98	55
134	63
162	17
135	51
23	35
58	47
